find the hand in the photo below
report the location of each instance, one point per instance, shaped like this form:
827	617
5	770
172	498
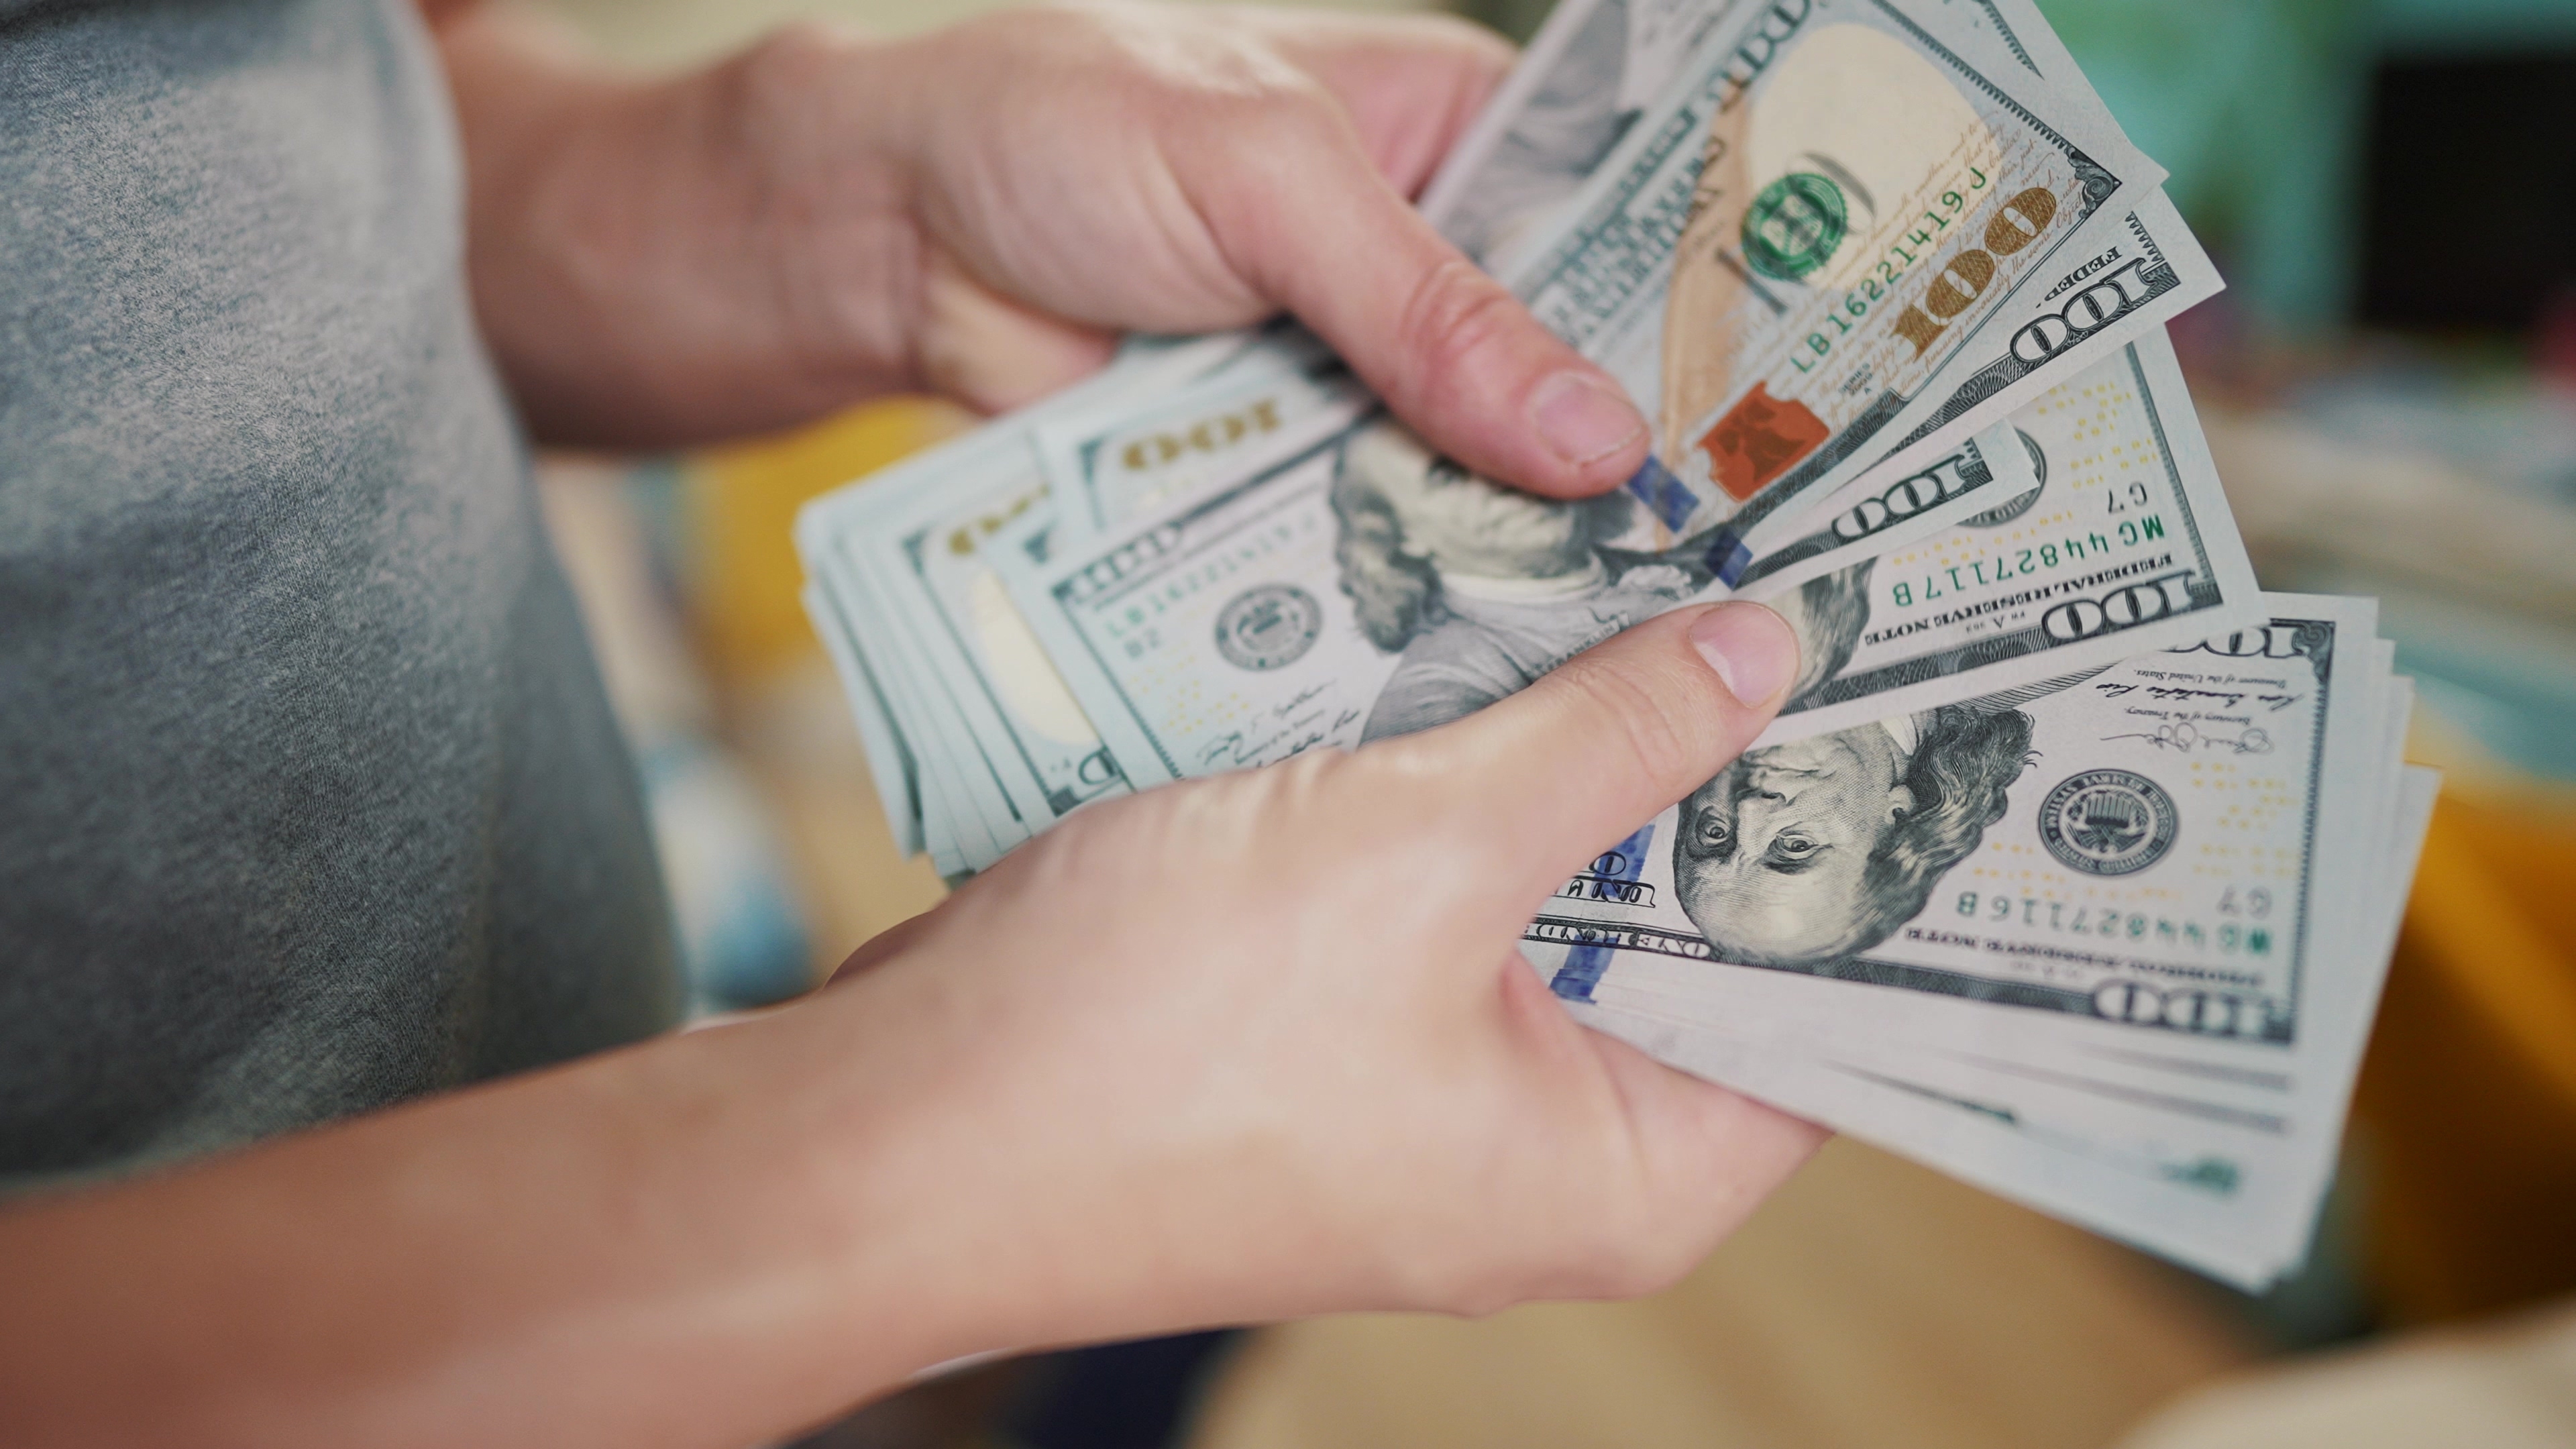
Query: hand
1235	1050
1261	1045
980	209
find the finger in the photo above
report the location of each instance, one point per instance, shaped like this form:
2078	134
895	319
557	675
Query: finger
1413	84
1316	229
993	353
1617	733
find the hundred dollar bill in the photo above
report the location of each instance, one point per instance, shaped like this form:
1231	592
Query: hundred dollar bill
956	686
896	773
2206	1144
2125	273
844	614
2107	934
1028	734
2158	847
1581	84
919	623
2126	545
1827	209
1886	508
1365	587
1580	87
1584	81
2210	1155
1107	464
2121	278
2125	276
1114	463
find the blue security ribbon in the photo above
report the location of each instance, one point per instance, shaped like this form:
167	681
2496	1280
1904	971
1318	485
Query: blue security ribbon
1727	556
1584	964
1670	498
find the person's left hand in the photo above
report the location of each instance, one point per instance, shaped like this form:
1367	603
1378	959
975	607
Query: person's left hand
980	209
1263	1044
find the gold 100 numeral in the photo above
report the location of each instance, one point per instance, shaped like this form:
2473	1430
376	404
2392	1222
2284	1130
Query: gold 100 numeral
1964	277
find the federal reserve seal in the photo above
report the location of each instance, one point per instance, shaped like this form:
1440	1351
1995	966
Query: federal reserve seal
2108	822
1269	627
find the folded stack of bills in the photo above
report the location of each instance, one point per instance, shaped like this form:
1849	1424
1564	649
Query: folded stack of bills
2074	862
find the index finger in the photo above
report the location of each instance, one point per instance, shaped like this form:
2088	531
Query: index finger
1315	227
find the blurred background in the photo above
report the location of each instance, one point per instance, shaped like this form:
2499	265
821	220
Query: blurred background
2389	385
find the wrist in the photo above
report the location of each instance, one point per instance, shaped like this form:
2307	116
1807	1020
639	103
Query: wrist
986	1209
676	261
1076	1201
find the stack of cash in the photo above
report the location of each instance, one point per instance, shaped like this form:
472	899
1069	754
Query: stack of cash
2073	863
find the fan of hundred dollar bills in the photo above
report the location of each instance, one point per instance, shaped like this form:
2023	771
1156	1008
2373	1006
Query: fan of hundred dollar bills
1892	286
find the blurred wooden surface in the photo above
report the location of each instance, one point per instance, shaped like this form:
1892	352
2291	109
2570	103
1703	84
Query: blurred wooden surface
2505	1384
1871	1304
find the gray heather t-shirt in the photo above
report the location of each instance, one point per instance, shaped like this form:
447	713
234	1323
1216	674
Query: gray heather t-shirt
309	797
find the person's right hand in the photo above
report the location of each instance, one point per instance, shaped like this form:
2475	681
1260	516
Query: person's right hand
978	210
1261	1045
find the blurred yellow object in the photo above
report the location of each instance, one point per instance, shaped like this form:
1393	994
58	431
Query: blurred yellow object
781	707
2468	1096
741	504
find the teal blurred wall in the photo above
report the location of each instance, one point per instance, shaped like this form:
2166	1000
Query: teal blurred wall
2260	110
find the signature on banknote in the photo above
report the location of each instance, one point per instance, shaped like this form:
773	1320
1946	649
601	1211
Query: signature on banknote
1238	748
2186	737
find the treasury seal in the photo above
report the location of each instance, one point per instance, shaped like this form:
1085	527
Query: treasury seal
2108	822
1270	626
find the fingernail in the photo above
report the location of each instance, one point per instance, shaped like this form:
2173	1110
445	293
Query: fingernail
1753	650
1583	419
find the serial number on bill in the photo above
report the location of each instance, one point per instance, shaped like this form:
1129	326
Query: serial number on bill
2072	918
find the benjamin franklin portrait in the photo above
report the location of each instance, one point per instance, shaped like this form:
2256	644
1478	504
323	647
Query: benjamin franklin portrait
1827	614
1482	589
1804	854
1576	115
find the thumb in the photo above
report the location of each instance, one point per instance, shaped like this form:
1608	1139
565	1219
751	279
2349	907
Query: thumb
1315	228
1620	731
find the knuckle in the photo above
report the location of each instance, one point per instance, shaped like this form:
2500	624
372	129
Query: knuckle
1295	817
1453	310
1222	71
